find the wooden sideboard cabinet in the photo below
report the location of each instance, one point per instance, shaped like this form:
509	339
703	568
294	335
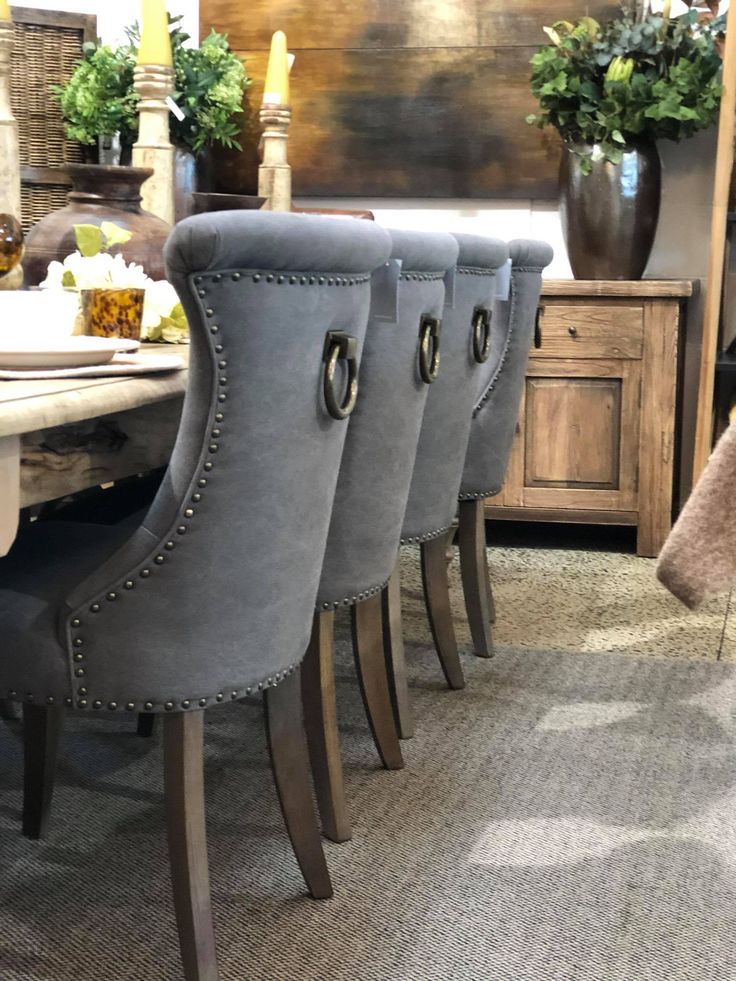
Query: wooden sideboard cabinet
595	441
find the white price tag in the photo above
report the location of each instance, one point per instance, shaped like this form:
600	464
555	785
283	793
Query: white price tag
175	109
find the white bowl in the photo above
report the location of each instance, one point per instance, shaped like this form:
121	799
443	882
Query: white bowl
44	313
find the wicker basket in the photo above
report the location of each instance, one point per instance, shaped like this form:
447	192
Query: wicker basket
47	48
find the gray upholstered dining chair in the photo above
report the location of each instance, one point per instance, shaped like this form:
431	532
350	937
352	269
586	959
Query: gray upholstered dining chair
211	598
438	468
492	429
399	364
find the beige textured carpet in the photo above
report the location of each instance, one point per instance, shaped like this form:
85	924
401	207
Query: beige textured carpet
568	816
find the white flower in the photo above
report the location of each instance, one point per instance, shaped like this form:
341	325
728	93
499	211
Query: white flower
93	272
161	298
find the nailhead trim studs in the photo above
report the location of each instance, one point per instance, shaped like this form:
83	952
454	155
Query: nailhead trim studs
420	539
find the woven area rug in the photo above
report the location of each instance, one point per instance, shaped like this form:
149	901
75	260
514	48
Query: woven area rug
568	816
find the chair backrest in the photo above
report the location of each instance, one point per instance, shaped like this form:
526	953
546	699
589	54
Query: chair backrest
214	594
381	443
465	357
497	410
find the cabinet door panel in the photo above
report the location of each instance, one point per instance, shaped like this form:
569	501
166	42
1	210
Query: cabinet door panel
558	452
581	434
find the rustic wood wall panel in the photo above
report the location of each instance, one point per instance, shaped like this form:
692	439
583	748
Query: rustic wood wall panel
424	98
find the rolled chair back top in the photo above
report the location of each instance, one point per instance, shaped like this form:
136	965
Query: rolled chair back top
465	353
497	409
395	377
213	596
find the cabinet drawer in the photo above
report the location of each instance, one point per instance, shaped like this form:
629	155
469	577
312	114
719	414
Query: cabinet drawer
591	331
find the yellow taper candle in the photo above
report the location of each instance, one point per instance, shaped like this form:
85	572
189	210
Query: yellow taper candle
155	46
5	10
276	91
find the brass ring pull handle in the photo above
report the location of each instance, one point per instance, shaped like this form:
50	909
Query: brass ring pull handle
429	348
482	318
538	327
340	346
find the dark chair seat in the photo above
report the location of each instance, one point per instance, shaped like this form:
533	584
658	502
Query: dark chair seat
47	560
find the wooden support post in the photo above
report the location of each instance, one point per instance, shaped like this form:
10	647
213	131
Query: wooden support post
154	84
713	297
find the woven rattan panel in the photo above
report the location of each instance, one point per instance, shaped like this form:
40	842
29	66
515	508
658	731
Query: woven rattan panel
47	48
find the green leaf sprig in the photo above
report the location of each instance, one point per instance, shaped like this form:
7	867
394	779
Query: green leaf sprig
635	78
93	239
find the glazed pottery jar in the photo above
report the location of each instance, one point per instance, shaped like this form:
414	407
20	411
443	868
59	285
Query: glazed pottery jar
99	193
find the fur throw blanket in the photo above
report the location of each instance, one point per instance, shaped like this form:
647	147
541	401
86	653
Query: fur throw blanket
699	557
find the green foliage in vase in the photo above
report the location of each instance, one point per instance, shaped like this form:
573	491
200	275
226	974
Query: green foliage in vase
99	99
210	84
638	77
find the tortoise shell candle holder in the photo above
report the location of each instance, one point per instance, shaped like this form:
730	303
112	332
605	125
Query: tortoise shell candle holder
11	243
113	312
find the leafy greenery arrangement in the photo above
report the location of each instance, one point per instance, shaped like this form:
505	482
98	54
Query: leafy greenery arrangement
640	76
99	99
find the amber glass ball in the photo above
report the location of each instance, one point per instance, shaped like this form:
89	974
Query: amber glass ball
11	243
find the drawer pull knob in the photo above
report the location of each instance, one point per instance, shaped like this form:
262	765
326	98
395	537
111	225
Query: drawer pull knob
538	327
572	331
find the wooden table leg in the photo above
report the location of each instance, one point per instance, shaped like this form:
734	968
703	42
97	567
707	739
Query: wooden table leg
9	491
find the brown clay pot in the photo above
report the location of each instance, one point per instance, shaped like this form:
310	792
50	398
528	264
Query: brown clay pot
99	193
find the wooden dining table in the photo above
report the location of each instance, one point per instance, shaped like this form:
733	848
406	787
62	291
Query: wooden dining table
64	435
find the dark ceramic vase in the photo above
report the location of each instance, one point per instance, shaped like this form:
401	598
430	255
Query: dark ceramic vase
99	193
609	217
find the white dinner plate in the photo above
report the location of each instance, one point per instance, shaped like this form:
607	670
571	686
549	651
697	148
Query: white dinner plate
66	352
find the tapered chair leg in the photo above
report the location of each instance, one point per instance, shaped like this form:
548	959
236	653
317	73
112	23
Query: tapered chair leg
8	711
476	578
187	834
42	725
393	643
290	761
437	598
370	659
320	719
146	724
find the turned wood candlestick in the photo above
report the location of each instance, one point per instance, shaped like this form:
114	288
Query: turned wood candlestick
154	84
274	173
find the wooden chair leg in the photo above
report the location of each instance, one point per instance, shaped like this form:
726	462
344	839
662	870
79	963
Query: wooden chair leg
370	659
393	643
146	724
8	711
42	726
290	761
320	719
437	598
476	578
187	834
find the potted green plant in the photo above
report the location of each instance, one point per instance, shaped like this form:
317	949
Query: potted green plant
99	101
611	91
